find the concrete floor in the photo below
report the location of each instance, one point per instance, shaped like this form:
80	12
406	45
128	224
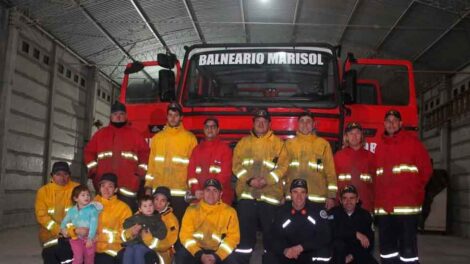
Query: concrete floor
21	245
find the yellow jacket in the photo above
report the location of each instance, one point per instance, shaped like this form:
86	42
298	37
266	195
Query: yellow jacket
256	157
310	158
170	150
52	203
110	233
164	247
211	227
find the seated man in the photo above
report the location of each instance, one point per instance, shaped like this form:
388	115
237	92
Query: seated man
209	231
353	234
302	231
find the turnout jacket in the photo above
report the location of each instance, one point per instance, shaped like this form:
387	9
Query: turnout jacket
403	169
52	203
210	227
357	167
310	158
260	157
170	150
122	151
211	159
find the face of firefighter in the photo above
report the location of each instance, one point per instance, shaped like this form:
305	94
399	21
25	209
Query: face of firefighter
299	197
212	195
349	201
119	117
261	126
392	124
211	130
61	178
306	125
160	202
146	207
354	138
107	189
173	118
83	198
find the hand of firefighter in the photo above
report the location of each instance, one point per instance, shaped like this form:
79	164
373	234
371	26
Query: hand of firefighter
363	239
293	252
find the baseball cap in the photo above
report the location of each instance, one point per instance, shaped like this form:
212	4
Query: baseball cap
298	183
353	125
349	189
164	191
394	113
60	166
117	107
214	183
109	177
174	106
262	113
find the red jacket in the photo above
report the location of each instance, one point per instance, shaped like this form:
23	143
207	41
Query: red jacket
122	151
357	167
211	159
403	169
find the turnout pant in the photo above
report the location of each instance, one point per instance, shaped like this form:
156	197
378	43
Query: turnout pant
183	256
250	213
397	237
360	255
57	253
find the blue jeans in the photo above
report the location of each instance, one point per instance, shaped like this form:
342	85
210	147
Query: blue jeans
135	254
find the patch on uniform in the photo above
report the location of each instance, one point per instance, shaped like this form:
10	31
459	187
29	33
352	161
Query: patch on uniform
323	214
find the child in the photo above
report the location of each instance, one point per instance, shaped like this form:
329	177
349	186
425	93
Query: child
161	201
148	223
84	213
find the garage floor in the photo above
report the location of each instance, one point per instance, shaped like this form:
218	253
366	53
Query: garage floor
21	246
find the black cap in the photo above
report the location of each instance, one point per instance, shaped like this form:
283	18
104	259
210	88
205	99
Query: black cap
353	125
394	113
60	166
349	189
118	107
298	183
212	118
109	177
214	183
174	106
262	113
164	191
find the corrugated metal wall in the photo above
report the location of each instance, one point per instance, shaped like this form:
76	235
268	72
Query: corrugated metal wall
49	103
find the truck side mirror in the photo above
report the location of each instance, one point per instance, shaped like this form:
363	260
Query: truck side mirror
166	60
166	85
349	87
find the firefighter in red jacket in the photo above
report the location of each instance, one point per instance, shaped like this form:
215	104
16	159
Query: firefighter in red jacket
403	168
211	159
119	149
356	166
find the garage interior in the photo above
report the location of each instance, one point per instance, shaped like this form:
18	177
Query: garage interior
62	62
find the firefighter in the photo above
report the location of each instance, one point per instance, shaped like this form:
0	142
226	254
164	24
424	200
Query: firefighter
403	168
170	150
122	150
302	232
355	165
310	158
52	202
209	231
110	221
212	158
352	228
259	164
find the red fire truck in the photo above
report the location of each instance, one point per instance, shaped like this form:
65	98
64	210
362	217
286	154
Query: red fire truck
230	81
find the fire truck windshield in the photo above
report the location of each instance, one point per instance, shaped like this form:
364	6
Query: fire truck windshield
280	77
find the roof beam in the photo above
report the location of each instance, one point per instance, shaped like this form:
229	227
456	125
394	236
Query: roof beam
449	29
194	21
297	10
394	26
149	24
245	26
351	14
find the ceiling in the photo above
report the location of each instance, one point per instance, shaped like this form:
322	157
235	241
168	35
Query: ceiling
434	34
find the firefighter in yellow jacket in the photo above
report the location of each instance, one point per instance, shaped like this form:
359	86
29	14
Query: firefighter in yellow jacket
310	158
110	233
170	150
210	231
259	163
52	202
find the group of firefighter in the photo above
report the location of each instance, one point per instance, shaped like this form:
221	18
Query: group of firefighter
309	205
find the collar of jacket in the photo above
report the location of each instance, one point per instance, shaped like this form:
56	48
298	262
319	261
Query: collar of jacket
215	141
267	135
309	137
173	130
166	211
104	201
58	187
397	136
208	207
